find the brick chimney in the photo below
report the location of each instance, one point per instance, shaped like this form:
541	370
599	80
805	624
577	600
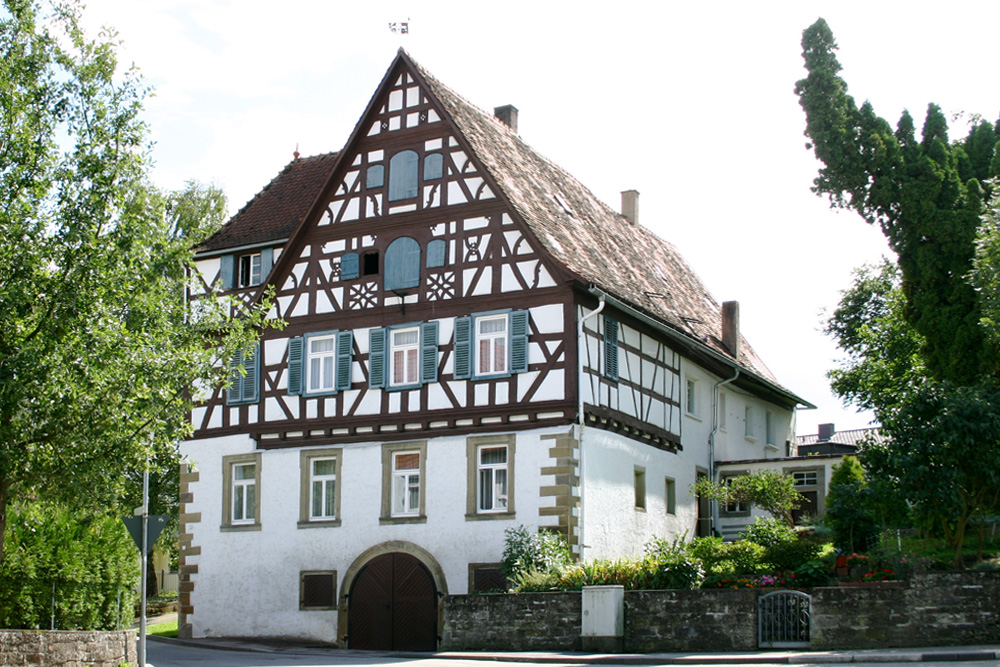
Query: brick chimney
507	114
630	205
731	327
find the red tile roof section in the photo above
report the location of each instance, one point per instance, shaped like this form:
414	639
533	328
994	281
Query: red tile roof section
275	212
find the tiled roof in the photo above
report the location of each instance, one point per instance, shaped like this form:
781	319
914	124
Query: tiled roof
850	437
586	236
278	209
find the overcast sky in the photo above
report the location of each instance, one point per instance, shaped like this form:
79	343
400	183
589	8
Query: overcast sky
691	104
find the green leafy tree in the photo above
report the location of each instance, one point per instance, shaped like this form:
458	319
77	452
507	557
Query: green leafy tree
770	490
849	512
949	468
883	350
925	194
97	357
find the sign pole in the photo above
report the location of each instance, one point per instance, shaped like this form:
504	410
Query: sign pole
144	550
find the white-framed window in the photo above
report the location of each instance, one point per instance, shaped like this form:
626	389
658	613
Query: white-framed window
250	270
691	397
244	494
404	359
406	483
736	509
491	345
769	427
748	429
805	478
492	467
321	363
322	488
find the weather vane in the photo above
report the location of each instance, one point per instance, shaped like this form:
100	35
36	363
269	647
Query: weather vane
401	27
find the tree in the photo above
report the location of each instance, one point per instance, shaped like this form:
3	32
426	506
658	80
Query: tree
97	357
950	466
883	351
770	490
926	195
849	512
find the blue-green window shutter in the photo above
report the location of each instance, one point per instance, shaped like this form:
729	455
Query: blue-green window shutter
402	264
437	254
429	352
252	378
376	358
243	386
295	346
403	167
610	348
345	350
266	262
349	266
433	166
375	176
463	347
519	341
227	271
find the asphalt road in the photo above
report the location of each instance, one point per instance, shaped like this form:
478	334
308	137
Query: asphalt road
162	654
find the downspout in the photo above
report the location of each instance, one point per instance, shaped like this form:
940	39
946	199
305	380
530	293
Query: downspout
580	417
714	512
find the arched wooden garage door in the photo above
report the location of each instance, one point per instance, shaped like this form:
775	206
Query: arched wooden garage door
393	606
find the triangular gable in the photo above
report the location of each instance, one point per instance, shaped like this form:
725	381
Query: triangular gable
402	101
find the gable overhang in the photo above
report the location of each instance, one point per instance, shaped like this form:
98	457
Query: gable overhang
714	361
242	248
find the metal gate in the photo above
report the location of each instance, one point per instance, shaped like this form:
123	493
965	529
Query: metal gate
783	620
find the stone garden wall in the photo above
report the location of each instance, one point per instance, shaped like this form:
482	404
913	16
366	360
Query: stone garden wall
937	609
67	648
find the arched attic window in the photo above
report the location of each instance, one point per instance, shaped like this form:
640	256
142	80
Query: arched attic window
403	178
402	264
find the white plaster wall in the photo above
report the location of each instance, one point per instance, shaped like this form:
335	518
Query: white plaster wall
248	582
612	526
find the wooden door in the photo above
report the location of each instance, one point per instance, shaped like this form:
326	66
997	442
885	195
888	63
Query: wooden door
393	606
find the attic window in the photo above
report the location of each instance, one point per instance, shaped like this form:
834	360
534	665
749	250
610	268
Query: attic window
375	176
250	270
433	166
369	264
403	167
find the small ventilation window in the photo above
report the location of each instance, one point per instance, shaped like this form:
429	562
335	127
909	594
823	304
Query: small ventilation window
317	590
369	264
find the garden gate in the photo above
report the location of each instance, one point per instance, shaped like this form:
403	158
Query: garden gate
783	620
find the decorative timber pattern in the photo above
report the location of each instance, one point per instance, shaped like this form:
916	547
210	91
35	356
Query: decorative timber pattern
631	382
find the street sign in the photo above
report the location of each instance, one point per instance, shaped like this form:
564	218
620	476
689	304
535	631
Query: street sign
157	522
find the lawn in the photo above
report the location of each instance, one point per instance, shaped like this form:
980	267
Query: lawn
168	629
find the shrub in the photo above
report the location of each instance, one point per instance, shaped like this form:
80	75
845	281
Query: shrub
768	532
813	573
709	550
791	555
87	559
535	581
524	551
746	557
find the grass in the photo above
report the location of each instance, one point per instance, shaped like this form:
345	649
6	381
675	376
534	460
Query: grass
163	629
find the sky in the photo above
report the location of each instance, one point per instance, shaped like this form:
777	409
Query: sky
690	103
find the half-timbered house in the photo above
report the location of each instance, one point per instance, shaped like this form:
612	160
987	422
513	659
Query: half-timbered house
473	342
